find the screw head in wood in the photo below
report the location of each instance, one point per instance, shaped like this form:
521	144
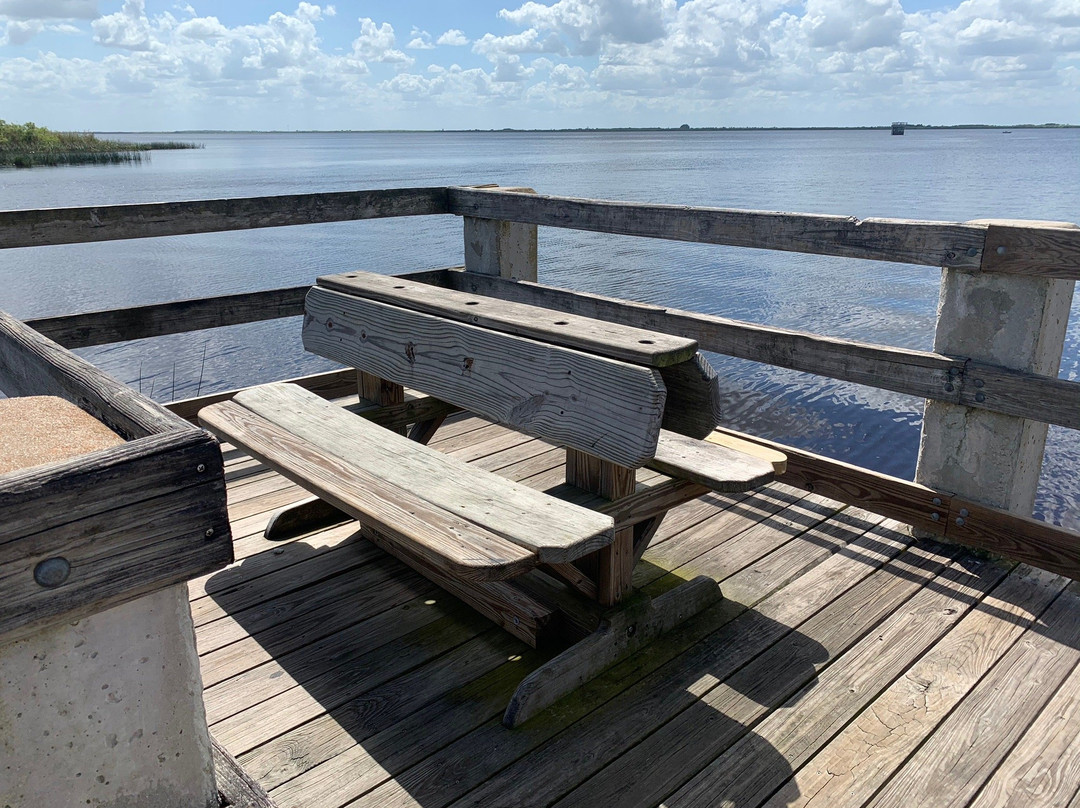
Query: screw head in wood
963	511
960	522
949	388
200	468
935	516
1000	250
936	500
972	252
978	382
209	533
52	572
980	397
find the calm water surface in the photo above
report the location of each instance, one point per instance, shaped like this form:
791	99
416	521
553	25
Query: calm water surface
945	175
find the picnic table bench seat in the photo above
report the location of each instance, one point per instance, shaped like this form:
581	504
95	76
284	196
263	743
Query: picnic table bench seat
467	522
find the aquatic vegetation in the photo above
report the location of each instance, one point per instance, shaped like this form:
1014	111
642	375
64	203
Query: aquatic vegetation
27	145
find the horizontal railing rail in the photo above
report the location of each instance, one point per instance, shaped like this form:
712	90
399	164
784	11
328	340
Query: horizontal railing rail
957	380
34	228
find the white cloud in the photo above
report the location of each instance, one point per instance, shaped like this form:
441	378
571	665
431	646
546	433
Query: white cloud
587	24
453	37
421	40
376	43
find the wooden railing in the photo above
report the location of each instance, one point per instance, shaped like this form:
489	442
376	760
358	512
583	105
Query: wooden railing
1041	250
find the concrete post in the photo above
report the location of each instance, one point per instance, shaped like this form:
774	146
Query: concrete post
107	711
506	249
1015	321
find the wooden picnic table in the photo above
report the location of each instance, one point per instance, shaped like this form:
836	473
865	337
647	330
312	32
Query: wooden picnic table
533	561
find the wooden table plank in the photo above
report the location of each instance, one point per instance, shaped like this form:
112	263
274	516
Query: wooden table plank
630	344
461	547
553	530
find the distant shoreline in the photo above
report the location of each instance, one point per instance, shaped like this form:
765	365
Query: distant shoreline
909	127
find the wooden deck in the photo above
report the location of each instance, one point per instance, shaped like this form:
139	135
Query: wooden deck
847	666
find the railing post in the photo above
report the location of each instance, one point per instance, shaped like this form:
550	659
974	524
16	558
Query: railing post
1018	322
506	249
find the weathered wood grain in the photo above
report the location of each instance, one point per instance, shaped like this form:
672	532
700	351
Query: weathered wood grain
46	498
607	408
966	749
1026	395
31	228
31	364
778	460
553	530
634	345
840	691
114	557
237	788
460	547
936	244
716	467
917	373
693	397
177	317
854	764
1044	249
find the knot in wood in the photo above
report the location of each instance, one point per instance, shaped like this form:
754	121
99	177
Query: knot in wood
410	353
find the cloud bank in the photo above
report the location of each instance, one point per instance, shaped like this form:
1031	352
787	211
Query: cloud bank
563	63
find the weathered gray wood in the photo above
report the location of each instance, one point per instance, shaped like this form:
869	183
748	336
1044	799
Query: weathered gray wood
48	498
459	547
936	244
1046	249
635	345
1026	395
693	397
178	317
554	530
719	468
608	408
237	787
1032	541
30	228
918	373
31	364
114	557
620	636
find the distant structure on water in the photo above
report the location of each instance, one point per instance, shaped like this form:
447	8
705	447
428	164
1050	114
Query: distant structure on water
898	127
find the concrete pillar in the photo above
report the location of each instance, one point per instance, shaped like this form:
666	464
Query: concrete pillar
506	249
107	712
1015	321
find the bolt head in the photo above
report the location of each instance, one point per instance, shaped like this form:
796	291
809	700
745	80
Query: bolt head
936	500
960	522
935	516
980	397
52	572
949	388
972	252
1001	250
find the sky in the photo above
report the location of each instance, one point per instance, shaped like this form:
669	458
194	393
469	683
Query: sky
150	65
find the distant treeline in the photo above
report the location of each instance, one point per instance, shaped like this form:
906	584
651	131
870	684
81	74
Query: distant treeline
26	145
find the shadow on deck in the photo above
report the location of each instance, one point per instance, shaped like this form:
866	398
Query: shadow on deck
847	665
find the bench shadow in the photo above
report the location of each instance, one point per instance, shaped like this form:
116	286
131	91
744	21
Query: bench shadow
404	670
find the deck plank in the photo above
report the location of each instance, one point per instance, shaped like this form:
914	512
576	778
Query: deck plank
858	760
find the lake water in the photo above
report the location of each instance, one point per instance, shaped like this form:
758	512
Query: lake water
946	175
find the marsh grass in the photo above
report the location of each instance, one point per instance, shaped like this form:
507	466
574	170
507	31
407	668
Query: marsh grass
27	145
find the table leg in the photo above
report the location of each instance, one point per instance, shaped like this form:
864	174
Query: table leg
614	563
